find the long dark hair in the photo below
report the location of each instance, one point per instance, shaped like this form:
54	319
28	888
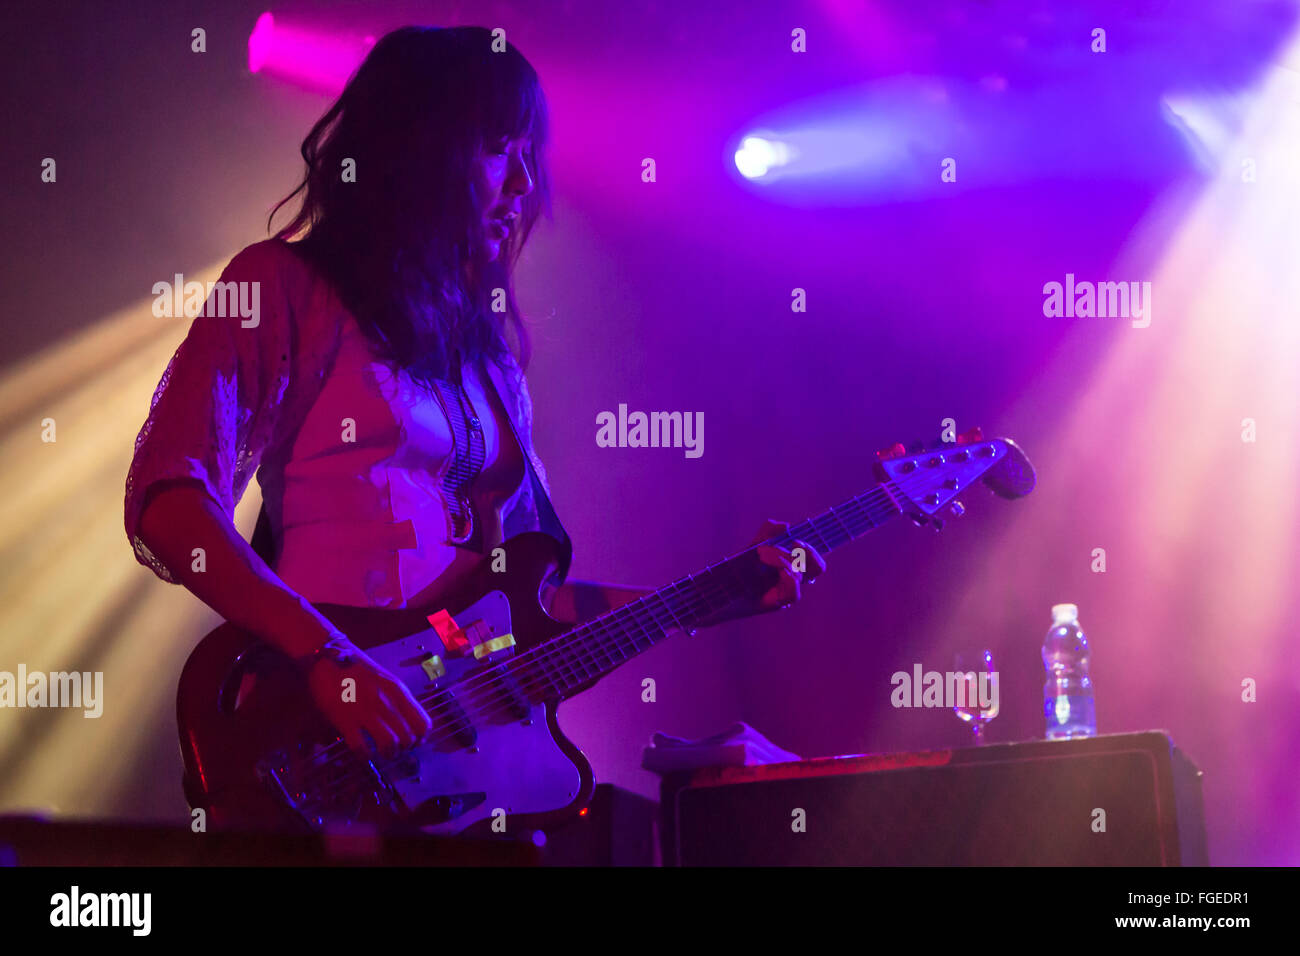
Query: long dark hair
395	241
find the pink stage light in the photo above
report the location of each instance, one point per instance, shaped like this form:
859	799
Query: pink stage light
312	59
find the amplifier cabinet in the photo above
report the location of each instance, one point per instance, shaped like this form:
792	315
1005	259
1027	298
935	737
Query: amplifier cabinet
1113	800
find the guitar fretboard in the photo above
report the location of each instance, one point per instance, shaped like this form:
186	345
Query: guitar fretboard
570	661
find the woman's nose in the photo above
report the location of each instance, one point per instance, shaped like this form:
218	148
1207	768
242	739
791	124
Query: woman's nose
521	180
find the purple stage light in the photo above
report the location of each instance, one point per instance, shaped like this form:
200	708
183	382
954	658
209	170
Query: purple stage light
259	42
313	59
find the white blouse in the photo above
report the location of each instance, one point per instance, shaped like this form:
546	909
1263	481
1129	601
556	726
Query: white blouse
349	454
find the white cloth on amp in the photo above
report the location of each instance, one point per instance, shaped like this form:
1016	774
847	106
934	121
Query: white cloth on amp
740	745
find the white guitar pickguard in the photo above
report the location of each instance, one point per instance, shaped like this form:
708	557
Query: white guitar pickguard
514	764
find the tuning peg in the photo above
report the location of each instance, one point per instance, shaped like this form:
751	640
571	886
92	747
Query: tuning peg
956	509
970	435
895	450
936	523
918	520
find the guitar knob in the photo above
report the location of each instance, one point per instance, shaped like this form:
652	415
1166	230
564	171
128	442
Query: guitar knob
957	510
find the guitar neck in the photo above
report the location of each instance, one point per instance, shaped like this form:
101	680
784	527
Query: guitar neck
576	658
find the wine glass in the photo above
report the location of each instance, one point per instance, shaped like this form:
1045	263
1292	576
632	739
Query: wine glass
971	707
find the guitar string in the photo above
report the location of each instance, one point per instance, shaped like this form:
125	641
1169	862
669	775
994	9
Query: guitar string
563	662
478	691
631	610
478	702
476	685
485	681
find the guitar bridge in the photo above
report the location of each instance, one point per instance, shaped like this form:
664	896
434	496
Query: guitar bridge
337	796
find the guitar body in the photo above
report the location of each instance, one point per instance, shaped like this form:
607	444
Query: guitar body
259	755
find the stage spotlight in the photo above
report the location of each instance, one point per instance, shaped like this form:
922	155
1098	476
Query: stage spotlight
259	42
846	147
758	155
312	59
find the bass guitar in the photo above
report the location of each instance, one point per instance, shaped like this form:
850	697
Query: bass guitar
491	667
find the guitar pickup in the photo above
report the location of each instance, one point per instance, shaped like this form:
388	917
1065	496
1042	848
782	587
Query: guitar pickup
431	664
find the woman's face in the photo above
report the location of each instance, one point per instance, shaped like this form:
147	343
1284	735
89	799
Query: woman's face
504	177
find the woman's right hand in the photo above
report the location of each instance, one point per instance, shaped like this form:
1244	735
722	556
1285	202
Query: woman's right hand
378	704
179	516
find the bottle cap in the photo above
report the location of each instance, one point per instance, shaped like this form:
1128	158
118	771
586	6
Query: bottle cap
1065	613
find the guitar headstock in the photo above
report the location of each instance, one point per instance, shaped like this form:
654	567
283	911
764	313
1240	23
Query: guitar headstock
927	480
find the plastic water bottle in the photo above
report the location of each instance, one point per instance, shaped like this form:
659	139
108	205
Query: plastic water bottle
1067	696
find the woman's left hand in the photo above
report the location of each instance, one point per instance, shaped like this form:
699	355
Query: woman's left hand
798	565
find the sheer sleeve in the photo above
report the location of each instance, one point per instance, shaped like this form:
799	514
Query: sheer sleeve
216	409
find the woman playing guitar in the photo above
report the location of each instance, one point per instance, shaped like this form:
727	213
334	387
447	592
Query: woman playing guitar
378	391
